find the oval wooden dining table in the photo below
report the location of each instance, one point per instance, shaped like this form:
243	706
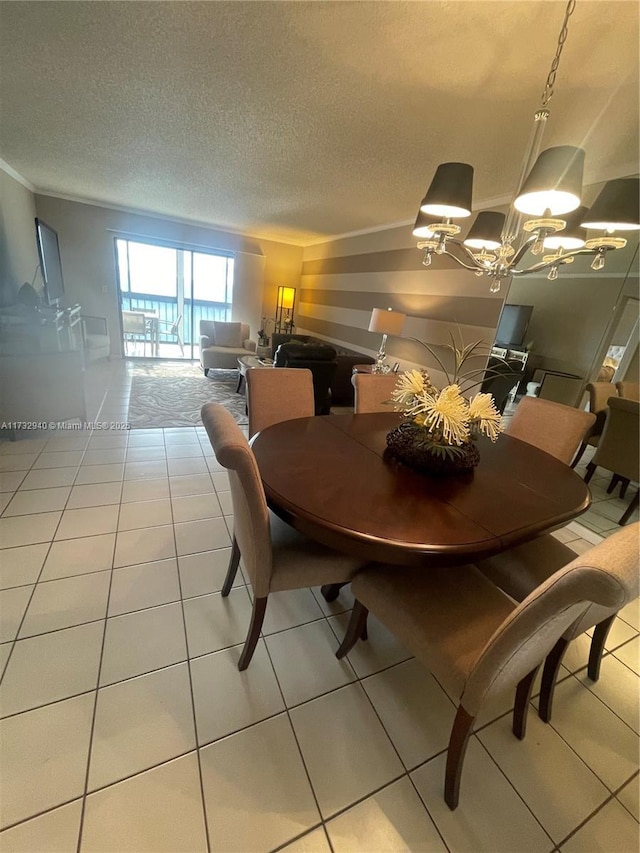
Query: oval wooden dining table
330	478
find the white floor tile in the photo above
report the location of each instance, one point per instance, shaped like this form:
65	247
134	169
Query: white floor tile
91	521
13	604
65	459
346	750
145	490
617	687
214	622
44	757
140	723
629	796
490	814
144	546
28	529
415	711
146	454
145	470
205	572
227	700
51	667
100	494
159	811
394	819
66	602
57	830
205	535
17	461
22	565
185	450
290	608
38	500
11	480
146	585
137	438
189	465
220	480
133	516
194	507
305	662
557	786
79	556
629	654
104	456
190	484
312	842
281	804
131	644
612	828
631	614
48	478
27	445
225	502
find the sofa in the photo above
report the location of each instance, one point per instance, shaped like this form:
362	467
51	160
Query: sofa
223	343
341	387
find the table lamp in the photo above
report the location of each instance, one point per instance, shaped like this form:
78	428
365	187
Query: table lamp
385	322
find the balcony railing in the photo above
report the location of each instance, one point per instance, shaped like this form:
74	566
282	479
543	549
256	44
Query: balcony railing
166	308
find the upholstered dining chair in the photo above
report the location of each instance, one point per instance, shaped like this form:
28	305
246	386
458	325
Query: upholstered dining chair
553	427
278	395
373	392
617	449
474	638
521	570
628	390
599	394
274	555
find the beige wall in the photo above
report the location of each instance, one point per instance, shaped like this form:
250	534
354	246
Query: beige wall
18	251
344	279
86	234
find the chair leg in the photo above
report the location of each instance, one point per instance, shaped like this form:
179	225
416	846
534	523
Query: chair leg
330	591
615	479
521	707
357	624
591	469
625	485
549	677
234	562
600	633
629	510
460	733
364	634
257	618
578	455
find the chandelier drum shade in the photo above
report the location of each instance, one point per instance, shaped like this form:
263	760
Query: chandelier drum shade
549	190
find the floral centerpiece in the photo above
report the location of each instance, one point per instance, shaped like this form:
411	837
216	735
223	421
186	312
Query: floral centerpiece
441	425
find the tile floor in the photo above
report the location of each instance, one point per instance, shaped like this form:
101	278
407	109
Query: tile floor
127	727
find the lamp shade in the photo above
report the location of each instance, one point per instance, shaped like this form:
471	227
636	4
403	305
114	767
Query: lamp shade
286	296
554	183
423	221
450	192
386	322
486	231
617	206
572	235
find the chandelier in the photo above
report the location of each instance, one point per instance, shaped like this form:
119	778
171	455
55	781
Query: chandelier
550	188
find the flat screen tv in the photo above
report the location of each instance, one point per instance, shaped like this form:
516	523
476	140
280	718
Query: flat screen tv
513	325
49	253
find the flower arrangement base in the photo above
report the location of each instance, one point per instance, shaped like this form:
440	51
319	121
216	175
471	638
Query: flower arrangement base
406	442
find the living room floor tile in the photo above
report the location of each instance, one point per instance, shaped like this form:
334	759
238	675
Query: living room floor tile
48	478
157	453
281	804
13	604
140	723
214	622
145	490
55	830
381	650
37	500
44	753
131	642
145	514
17	461
205	572
191	465
80	556
104	456
65	459
145	470
290	608
21	565
99	494
146	585
90	521
195	507
28	529
90	474
51	667
612	828
205	535
144	546
190	484
66	602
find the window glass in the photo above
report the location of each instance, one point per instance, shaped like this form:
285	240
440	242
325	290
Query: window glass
123	266
152	269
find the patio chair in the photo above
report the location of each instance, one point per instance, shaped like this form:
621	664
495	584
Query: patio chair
274	555
475	639
134	328
553	427
173	331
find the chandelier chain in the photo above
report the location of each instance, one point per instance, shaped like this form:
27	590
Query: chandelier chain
551	79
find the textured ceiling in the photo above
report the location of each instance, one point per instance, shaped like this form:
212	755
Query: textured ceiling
297	121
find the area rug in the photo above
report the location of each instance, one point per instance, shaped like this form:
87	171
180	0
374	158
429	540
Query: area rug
170	394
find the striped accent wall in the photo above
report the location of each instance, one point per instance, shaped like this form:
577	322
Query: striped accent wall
342	281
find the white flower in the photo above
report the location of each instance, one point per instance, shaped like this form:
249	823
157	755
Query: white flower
484	415
409	385
447	412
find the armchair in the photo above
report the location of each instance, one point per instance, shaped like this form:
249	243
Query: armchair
222	344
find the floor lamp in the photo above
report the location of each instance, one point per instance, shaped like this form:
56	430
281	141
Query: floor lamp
284	309
387	322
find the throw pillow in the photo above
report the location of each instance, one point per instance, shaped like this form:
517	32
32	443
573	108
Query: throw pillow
228	334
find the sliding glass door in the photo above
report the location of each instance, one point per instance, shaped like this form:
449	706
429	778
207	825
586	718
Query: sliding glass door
164	293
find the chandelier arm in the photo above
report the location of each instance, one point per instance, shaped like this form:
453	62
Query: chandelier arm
475	266
546	264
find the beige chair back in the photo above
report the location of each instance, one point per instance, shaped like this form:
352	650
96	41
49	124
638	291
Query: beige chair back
617	449
553	427
133	323
628	390
373	391
605	577
278	395
251	526
207	328
599	393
